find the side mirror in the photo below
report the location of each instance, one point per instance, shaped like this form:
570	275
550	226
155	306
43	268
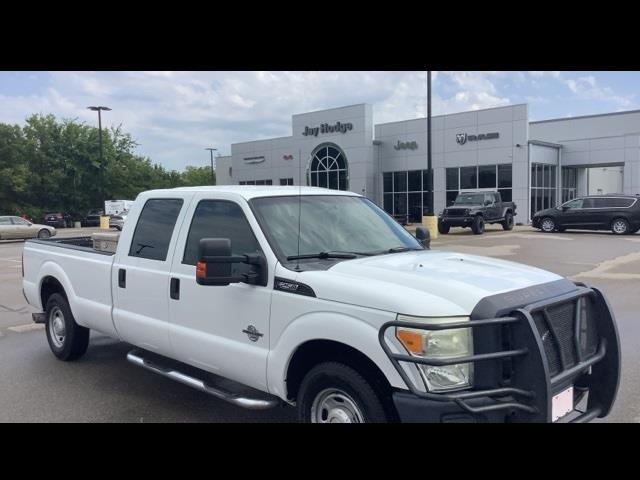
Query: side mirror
423	236
564	208
215	260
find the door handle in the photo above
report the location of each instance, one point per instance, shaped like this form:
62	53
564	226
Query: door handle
122	278
174	289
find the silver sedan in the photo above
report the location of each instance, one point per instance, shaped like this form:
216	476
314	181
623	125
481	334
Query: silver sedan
15	228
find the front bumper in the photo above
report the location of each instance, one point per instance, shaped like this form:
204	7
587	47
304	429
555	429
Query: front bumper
457	221
513	369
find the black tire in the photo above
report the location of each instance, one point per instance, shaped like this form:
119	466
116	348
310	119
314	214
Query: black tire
44	233
478	225
336	377
507	224
74	340
620	226
548	225
443	228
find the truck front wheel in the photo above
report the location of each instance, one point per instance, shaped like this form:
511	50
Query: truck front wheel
333	392
443	228
478	225
68	340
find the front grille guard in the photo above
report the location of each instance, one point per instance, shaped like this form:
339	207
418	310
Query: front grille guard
527	394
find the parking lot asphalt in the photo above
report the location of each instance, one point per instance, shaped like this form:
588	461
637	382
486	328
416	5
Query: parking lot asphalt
104	387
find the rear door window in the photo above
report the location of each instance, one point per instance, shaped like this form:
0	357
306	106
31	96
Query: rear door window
620	202
155	228
595	203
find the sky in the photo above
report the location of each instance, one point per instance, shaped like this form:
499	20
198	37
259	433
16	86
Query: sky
174	116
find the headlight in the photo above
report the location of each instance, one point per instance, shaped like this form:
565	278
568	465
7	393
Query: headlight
441	344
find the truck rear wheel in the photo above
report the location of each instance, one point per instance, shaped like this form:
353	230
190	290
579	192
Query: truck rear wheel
68	340
443	228
333	392
478	225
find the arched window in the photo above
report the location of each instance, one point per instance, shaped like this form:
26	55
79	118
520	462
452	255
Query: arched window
328	168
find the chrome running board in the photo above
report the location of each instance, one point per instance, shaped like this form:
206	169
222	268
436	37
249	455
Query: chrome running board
170	371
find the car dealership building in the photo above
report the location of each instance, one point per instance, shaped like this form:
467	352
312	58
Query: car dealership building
534	164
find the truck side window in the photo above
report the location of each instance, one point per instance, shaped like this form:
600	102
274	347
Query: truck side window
154	229
220	219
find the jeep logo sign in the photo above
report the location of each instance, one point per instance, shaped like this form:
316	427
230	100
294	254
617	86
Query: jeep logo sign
406	145
463	138
338	127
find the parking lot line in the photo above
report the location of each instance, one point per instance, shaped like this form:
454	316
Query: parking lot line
26	327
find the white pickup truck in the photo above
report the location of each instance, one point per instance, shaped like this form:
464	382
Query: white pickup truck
319	299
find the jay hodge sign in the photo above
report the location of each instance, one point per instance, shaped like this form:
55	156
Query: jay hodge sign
338	127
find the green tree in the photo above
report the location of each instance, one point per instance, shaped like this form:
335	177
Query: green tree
195	176
55	165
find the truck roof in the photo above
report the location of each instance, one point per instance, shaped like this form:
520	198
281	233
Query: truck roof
253	191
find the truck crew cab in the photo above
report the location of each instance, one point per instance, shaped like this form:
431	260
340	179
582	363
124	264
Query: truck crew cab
319	299
475	210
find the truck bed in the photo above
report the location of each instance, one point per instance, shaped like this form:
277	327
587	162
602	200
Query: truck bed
84	243
83	271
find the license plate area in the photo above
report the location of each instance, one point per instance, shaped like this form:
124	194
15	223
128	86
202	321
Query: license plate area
561	404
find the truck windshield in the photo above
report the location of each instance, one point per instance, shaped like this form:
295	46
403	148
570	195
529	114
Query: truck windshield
331	227
469	199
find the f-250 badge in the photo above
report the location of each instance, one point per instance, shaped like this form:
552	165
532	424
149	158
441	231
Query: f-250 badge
253	333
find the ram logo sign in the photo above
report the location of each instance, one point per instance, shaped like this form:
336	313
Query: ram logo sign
463	138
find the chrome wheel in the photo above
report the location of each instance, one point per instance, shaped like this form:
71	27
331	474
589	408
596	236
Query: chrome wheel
57	329
335	406
620	227
548	225
44	234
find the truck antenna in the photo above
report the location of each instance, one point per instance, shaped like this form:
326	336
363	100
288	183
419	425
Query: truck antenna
299	205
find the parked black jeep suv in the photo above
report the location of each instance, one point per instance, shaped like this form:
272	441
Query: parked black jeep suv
474	209
618	213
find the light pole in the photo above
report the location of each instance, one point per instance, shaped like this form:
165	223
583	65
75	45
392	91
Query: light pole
212	174
99	110
429	165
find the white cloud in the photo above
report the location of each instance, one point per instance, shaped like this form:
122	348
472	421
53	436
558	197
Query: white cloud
587	88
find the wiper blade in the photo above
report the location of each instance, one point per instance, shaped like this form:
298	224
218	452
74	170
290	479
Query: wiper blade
323	255
393	250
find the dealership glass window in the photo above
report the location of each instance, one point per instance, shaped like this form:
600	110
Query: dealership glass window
569	183
484	176
328	168
468	178
256	182
543	187
405	194
453	182
286	181
487	176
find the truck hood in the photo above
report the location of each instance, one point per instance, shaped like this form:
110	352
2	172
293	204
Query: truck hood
422	283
